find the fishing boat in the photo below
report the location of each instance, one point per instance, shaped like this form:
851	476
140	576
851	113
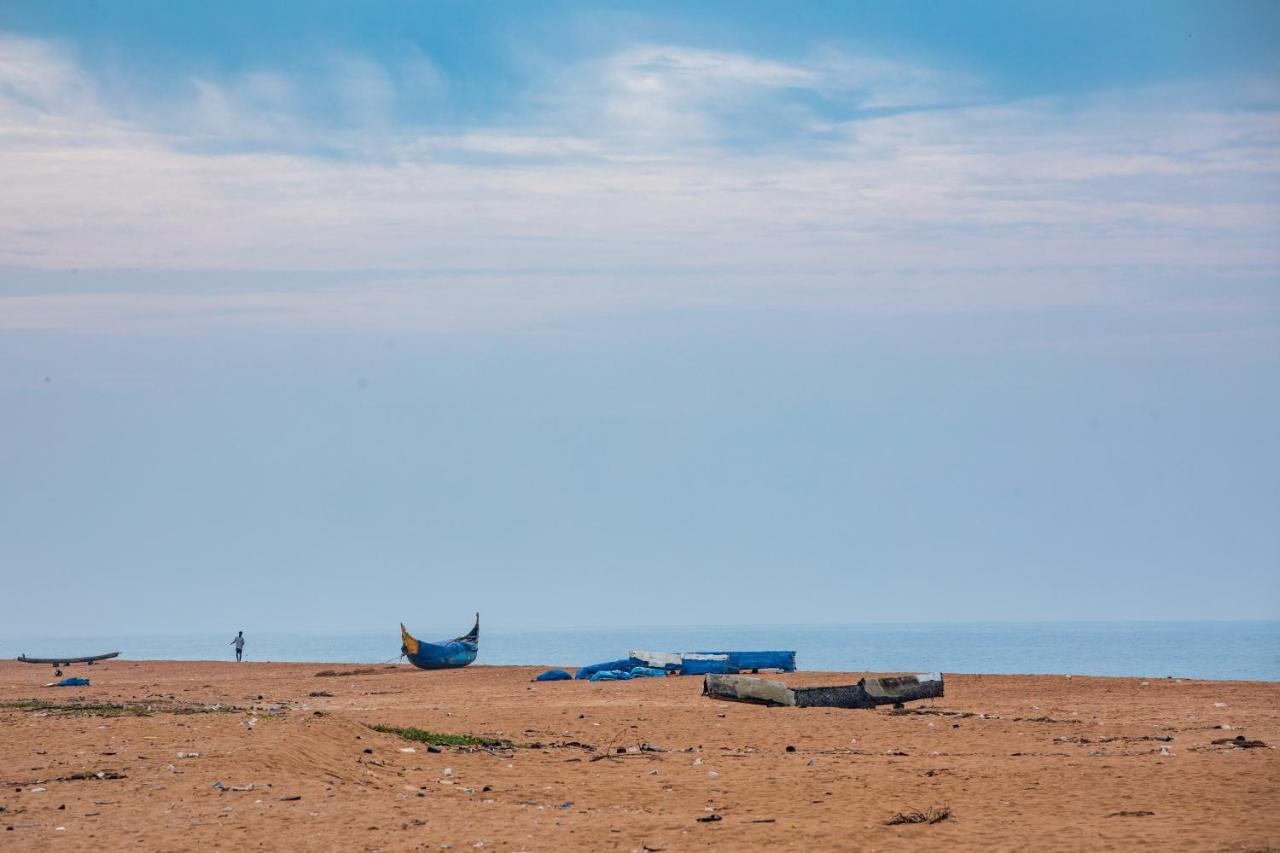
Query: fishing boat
446	654
59	663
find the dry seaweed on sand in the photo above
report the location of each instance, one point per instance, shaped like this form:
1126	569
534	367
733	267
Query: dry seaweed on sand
933	814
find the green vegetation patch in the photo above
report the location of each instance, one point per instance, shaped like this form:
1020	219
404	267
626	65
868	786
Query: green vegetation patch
441	739
111	709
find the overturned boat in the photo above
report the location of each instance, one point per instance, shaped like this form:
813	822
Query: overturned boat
867	693
446	654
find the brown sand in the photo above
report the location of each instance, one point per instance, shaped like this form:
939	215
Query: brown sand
1038	762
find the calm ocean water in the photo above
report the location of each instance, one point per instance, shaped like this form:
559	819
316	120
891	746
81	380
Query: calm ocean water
1230	650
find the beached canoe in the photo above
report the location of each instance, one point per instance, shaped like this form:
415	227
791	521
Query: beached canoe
867	693
446	654
67	661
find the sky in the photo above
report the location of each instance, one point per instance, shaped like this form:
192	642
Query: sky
324	317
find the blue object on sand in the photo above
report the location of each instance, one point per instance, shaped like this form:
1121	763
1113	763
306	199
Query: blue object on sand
554	675
624	665
73	682
648	672
611	675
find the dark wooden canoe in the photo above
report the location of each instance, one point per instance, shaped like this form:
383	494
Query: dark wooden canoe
89	659
867	693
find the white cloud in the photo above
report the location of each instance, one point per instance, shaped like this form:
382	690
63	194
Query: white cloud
629	186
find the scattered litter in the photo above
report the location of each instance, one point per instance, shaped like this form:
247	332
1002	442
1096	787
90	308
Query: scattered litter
711	774
188	755
1239	742
407	749
933	814
316	694
218	786
711	818
1131	814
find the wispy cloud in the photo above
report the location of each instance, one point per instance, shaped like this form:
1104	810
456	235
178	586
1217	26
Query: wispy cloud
650	175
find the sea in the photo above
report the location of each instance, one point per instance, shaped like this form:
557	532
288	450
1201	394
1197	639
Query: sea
1203	650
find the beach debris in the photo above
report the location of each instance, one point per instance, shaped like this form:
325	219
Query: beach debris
1142	813
790	748
867	693
933	814
711	774
218	786
188	755
316	694
91	774
710	818
334	673
1239	742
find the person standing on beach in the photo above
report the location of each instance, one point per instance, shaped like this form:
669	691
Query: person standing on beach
238	642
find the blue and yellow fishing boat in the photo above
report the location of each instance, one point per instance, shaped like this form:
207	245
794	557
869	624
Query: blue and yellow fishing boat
446	654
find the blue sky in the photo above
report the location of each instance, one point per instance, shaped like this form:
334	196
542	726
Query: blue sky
329	316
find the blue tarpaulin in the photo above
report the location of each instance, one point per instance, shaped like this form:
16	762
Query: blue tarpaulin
624	665
554	675
647	672
611	675
73	682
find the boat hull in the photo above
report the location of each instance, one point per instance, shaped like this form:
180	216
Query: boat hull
446	654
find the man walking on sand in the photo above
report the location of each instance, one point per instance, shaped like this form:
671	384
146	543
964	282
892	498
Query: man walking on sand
238	642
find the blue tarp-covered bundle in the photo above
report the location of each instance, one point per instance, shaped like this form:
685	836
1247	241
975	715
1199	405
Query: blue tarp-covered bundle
73	682
610	675
554	675
623	665
687	663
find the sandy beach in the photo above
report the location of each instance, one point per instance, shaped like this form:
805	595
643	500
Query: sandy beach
181	755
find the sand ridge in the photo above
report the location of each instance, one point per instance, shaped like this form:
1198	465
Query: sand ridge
246	756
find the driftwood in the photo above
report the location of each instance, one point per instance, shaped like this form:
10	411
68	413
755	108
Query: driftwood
867	693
